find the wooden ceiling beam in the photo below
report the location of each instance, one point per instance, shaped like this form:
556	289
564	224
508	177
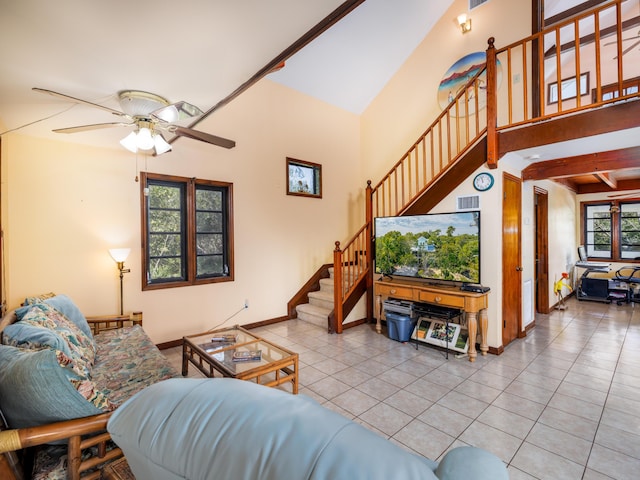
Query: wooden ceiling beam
592	163
630	184
607	180
340	12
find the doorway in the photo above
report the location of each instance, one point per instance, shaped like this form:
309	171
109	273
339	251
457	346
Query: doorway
511	258
541	281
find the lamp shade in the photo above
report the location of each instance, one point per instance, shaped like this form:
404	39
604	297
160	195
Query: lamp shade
144	139
129	142
119	254
161	144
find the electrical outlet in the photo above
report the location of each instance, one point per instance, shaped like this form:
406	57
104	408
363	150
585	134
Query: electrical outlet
246	303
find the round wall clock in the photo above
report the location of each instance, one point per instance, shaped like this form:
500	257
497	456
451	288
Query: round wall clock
483	181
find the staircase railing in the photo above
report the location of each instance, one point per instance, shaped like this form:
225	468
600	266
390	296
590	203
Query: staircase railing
453	132
578	64
531	67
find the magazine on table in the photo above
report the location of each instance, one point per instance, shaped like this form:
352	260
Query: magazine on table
247	355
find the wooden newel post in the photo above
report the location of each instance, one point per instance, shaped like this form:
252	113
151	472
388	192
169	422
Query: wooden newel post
492	106
370	246
338	285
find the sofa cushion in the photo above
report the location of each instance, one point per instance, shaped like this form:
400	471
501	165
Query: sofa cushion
127	361
224	428
65	305
471	462
35	389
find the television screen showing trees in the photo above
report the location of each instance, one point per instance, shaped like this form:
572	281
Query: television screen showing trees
441	246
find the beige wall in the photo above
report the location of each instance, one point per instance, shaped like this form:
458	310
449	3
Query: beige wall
408	104
68	204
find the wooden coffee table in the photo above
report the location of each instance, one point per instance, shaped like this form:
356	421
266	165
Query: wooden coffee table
277	365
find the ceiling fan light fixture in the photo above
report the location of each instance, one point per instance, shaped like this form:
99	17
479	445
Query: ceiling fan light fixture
144	139
169	114
161	144
130	142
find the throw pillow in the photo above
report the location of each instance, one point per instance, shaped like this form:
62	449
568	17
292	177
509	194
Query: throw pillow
36	390
32	337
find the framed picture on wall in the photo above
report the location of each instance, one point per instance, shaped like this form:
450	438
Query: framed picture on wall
304	178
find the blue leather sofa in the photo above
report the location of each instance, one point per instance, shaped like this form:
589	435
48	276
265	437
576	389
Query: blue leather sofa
231	429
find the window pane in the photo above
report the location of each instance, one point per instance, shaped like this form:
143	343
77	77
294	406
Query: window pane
165	268
208	199
165	221
164	196
211	266
208	244
207	222
166	251
164	245
598	231
630	230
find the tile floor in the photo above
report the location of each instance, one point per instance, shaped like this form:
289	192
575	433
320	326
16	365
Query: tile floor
562	403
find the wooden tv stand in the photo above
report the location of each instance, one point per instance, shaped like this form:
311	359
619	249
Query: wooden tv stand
473	304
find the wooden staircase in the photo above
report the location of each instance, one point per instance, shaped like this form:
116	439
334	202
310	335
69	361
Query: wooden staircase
321	303
453	147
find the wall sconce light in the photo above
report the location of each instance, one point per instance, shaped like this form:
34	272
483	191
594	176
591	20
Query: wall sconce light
464	22
614	208
119	255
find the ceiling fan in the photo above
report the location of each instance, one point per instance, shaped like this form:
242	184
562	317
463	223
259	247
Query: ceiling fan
625	195
150	115
628	49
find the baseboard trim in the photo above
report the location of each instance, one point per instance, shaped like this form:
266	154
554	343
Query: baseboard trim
248	326
496	350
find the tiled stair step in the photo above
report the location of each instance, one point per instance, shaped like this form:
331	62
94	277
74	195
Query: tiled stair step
313	314
322	298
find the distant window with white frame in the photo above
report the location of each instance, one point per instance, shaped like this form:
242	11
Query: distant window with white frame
611	230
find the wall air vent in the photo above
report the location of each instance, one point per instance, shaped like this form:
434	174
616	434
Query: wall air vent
476	3
467	203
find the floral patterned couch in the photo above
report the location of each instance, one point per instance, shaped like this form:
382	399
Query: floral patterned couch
57	366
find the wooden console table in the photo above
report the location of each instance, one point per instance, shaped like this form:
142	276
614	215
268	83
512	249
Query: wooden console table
473	304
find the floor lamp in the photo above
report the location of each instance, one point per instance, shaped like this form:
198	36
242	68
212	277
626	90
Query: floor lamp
120	255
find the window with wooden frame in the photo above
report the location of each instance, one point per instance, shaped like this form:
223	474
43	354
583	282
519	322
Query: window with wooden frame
187	231
611	230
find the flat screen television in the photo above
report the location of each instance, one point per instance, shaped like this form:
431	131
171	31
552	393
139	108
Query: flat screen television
438	247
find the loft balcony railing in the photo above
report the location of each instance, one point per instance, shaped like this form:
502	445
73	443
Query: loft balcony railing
575	65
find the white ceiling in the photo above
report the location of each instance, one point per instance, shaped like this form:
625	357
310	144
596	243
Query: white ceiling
199	52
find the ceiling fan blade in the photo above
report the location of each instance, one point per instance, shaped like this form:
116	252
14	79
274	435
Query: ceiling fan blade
628	49
96	126
622	195
176	111
203	137
78	100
